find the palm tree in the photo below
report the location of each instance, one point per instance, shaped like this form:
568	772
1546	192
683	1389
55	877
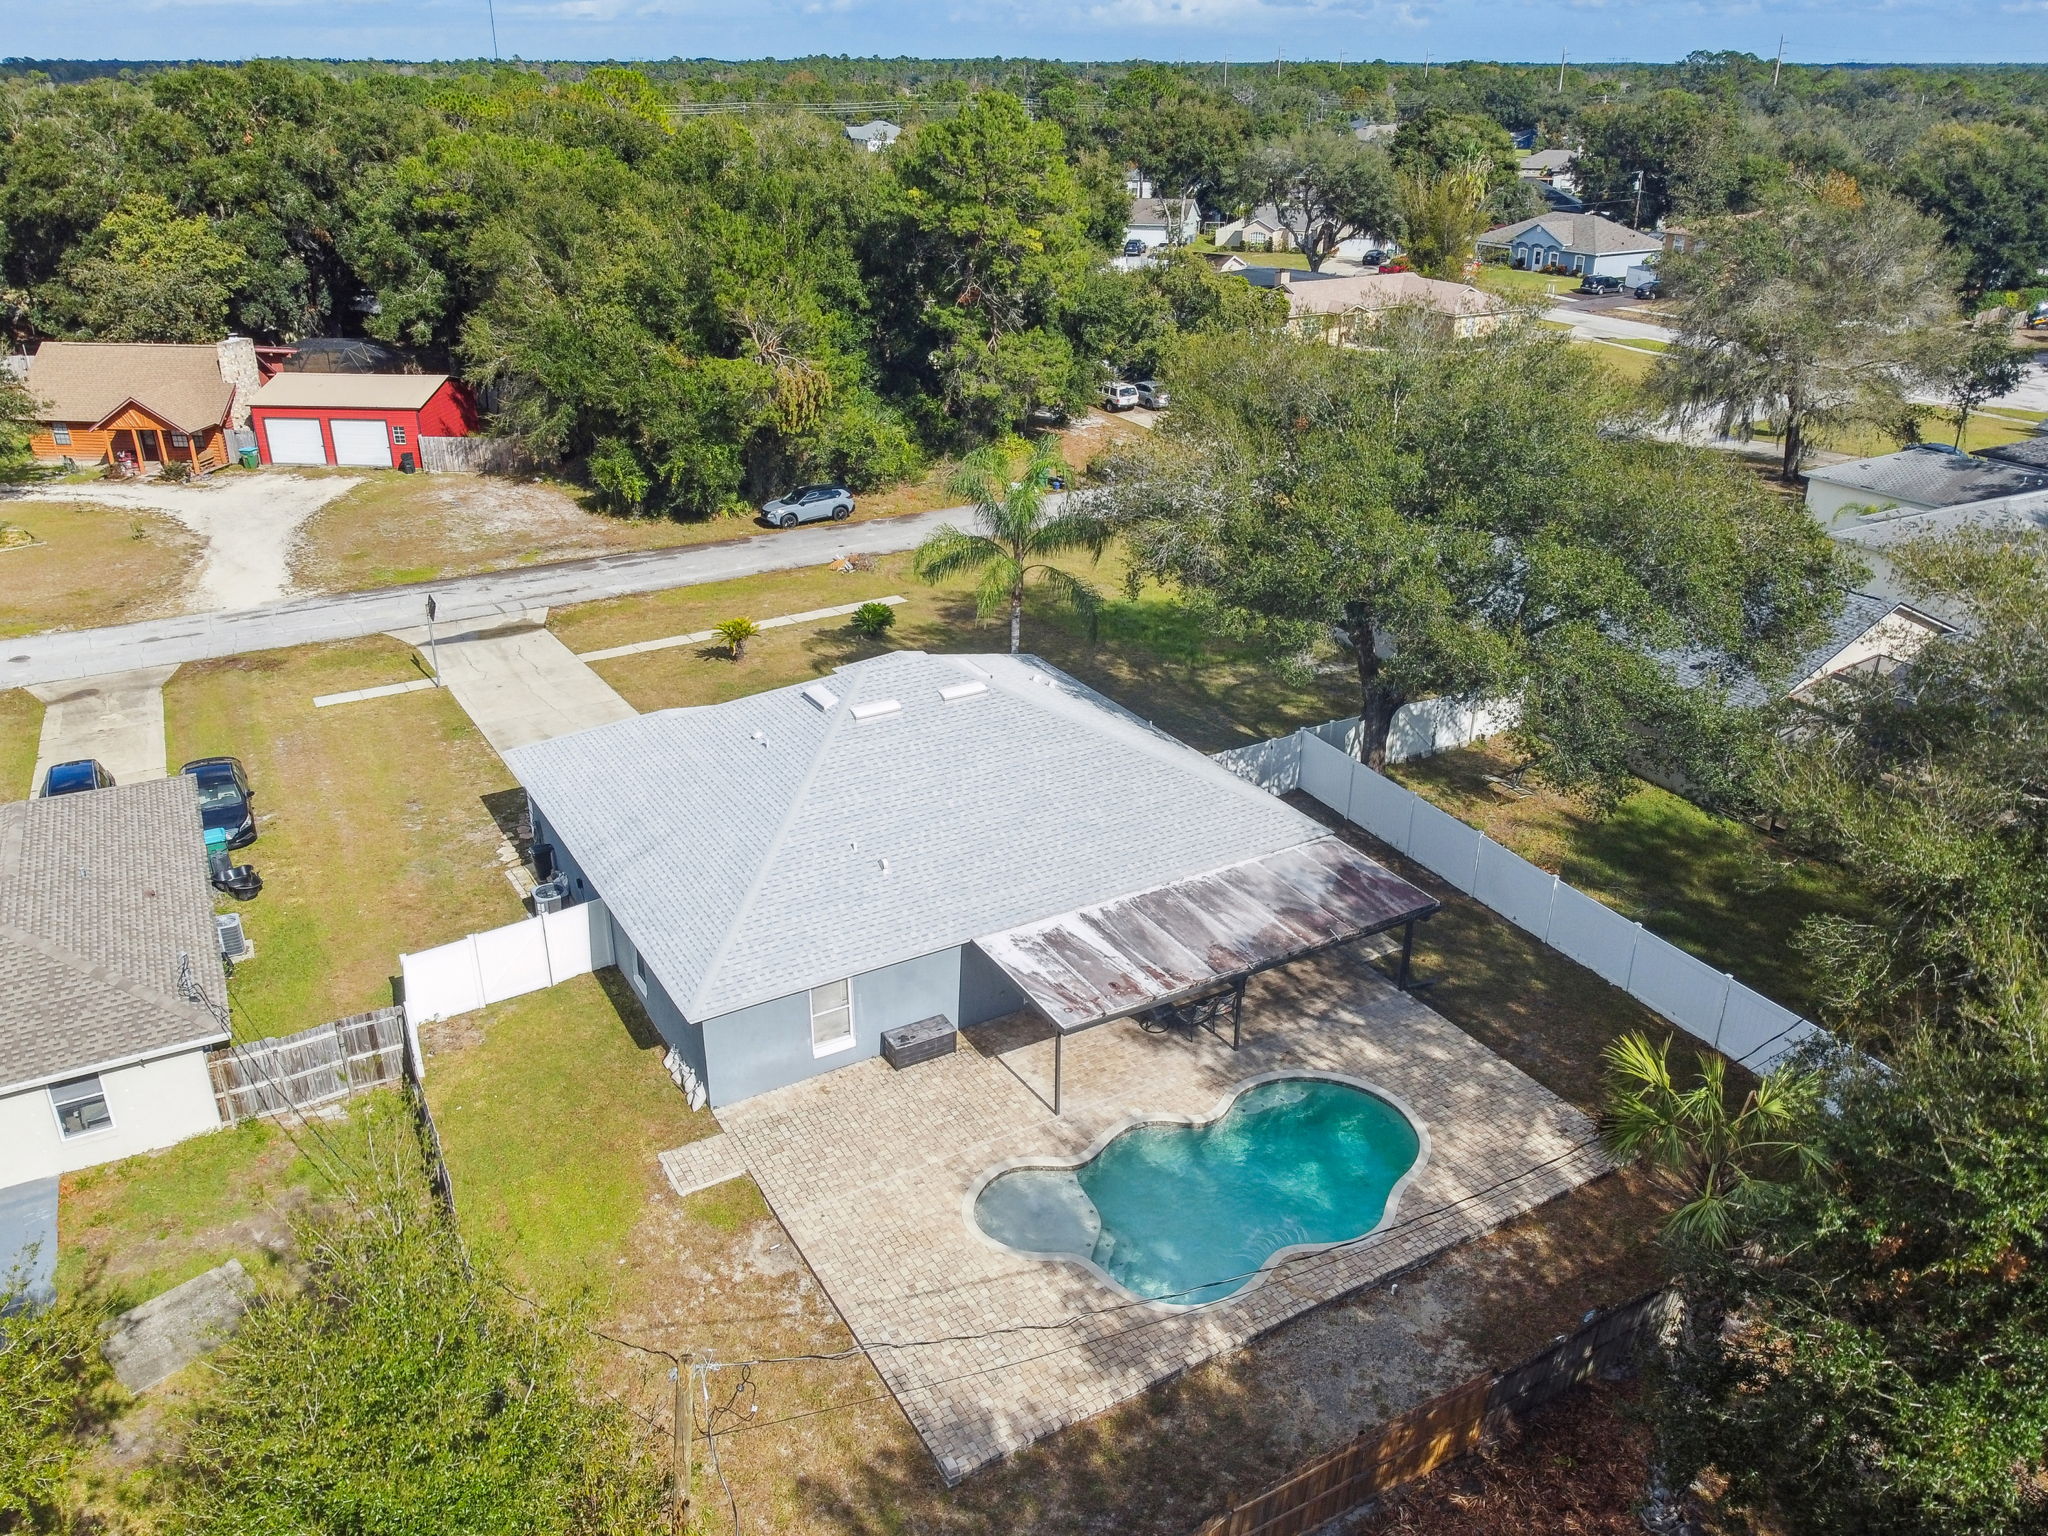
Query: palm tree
1016	535
1723	1157
736	633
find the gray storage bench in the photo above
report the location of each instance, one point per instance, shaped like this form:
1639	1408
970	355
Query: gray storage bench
908	1044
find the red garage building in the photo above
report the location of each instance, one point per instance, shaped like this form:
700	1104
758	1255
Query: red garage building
372	419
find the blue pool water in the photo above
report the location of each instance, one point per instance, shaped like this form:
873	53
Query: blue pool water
1188	1213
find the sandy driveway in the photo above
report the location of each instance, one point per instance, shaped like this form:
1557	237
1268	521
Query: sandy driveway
249	525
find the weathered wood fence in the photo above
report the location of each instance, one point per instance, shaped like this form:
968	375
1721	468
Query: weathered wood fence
474	455
1449	1426
315	1066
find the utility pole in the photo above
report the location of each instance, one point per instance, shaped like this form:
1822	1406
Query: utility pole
1425	66
491	8
1779	66
684	1432
1560	71
1636	222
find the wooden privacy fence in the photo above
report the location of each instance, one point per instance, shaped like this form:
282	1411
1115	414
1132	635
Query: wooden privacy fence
474	455
315	1066
1446	1427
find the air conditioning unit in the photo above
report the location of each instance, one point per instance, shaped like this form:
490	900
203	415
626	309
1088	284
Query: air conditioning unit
234	943
550	896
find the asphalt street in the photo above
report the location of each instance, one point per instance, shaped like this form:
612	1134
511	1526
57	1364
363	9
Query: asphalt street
61	655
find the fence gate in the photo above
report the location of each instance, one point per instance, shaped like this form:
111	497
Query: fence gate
315	1066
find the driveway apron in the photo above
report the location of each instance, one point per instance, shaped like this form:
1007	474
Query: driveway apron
117	718
519	683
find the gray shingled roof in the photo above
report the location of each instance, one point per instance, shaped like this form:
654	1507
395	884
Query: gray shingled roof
760	847
100	895
1860	612
1928	475
1579	232
2028	452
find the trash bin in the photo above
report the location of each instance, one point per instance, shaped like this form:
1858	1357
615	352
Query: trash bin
405	464
248	458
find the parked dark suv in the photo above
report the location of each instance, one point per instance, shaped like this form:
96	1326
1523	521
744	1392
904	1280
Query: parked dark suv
76	777
1595	283
226	803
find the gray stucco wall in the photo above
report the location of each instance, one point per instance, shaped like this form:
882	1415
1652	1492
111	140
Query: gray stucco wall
667	1018
752	1050
564	861
986	991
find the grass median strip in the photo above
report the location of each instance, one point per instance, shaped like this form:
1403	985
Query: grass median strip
698	637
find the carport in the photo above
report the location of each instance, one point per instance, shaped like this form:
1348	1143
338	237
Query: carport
1181	953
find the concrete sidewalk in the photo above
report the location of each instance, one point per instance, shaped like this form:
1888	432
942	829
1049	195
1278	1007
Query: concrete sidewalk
519	683
496	595
118	719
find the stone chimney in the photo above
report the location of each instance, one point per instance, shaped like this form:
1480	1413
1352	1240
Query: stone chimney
238	366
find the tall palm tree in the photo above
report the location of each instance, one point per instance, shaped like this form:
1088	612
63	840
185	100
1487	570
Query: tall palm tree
1015	537
1726	1157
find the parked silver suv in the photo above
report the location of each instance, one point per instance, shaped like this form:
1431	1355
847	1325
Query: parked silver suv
1152	395
809	504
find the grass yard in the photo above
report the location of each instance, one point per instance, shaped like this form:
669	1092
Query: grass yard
1154	656
133	1229
1715	887
21	729
377	823
91	565
551	1108
1516	283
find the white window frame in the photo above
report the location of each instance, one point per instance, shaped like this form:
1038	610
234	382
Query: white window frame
639	972
57	1109
832	1045
60	435
397	435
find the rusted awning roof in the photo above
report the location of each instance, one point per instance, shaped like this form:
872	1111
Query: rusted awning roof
1115	958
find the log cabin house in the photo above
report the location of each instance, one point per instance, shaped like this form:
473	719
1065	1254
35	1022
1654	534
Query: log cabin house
142	403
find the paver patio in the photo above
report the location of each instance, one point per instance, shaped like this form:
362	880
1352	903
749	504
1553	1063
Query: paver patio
871	1170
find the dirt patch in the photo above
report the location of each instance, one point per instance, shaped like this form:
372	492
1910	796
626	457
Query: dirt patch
90	565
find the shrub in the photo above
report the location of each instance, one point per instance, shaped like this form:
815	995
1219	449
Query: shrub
736	633
176	471
53	1389
874	619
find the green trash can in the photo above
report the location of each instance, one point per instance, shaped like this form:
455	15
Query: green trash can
248	457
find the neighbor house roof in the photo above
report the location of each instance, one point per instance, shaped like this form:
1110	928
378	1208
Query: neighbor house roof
1546	162
1161	210
1320	293
900	807
1586	233
1927	475
104	902
91	380
2028	452
874	130
349	391
1859	615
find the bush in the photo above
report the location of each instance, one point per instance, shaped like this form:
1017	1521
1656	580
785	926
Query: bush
874	619
53	1390
736	633
175	471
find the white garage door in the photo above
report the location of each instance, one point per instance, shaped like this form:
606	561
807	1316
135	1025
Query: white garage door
295	442
361	442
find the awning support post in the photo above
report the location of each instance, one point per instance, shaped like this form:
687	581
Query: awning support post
1237	1013
1407	952
1059	1041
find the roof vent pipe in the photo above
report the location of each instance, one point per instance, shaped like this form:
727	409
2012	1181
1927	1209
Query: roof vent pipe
874	709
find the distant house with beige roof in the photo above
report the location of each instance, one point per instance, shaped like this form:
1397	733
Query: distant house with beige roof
143	403
1345	309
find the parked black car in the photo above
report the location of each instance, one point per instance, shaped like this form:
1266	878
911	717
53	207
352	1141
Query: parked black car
1649	290
226	803
1594	283
76	777
1135	247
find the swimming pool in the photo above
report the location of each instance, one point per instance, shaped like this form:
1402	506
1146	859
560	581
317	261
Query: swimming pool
1189	1213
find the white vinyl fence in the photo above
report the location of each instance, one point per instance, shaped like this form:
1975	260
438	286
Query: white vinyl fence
1418	730
505	962
1710	1006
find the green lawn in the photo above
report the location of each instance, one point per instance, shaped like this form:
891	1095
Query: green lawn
1524	285
377	823
21	729
1716	888
551	1109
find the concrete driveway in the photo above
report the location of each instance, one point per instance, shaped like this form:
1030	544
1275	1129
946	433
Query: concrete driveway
519	683
118	718
249	524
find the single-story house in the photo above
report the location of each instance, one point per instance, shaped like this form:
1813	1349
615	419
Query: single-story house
875	135
1553	167
1369	132
1870	633
1343	308
115	989
791	874
1260	230
141	403
1162	221
372	419
1582	243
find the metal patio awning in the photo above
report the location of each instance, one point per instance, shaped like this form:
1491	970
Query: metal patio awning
1159	946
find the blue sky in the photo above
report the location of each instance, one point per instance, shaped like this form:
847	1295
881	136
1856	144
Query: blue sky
1593	30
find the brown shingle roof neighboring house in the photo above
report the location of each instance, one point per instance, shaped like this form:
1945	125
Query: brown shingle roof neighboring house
104	898
88	381
350	391
1586	233
1383	290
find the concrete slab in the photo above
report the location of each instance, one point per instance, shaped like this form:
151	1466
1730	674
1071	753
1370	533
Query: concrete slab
28	1240
519	683
117	718
702	1163
163	1336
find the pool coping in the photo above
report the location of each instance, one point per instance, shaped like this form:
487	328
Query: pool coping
1274	1260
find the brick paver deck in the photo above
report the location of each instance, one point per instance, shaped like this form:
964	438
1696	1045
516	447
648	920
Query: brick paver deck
702	1163
870	1171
